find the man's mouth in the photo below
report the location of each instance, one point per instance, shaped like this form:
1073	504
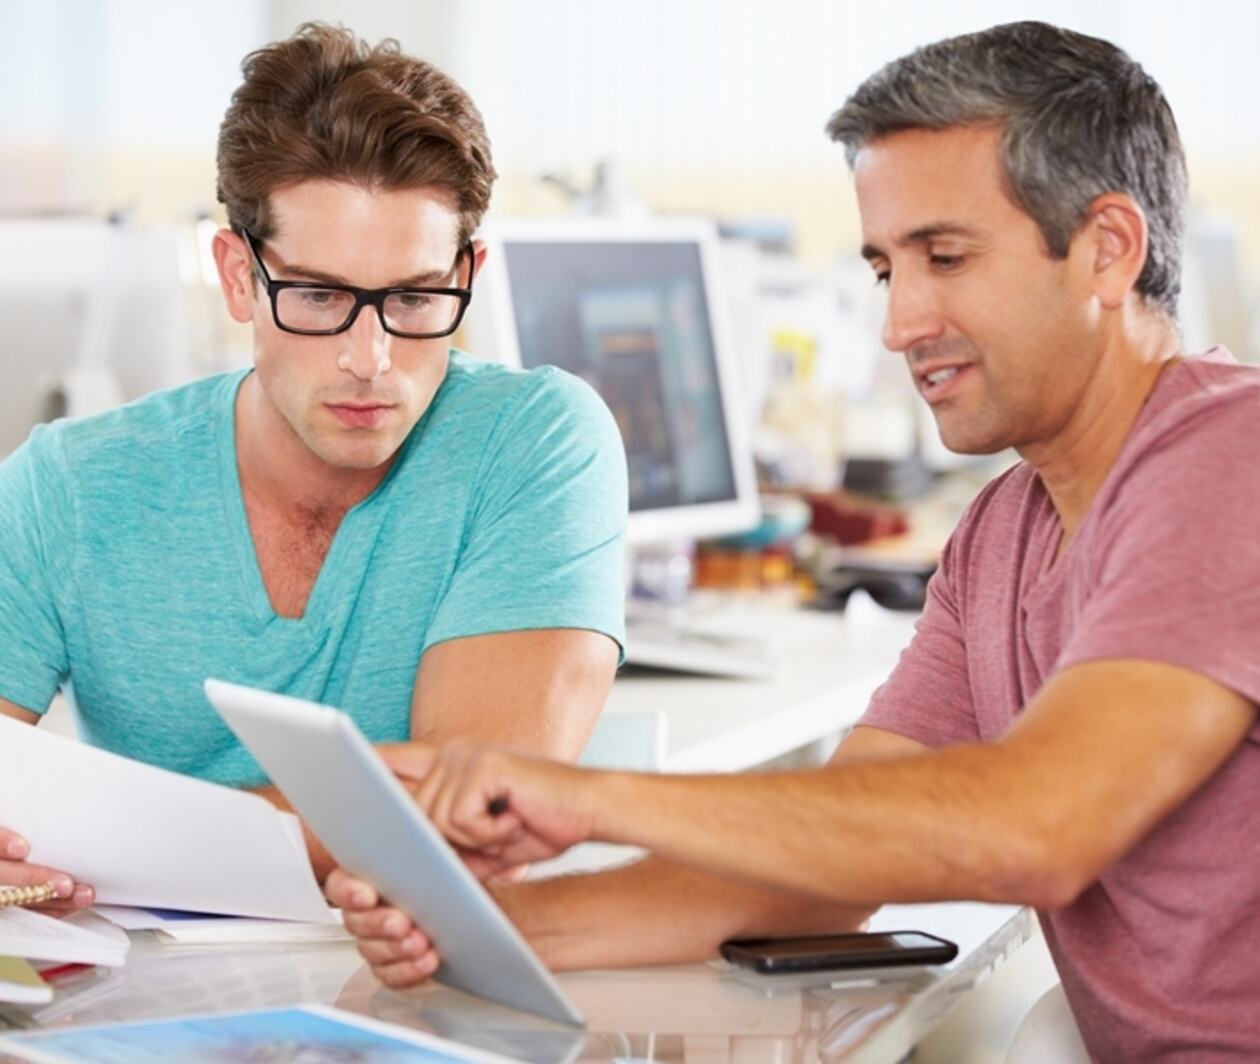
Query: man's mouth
938	383
360	415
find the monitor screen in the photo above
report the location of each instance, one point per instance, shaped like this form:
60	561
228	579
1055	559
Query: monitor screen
632	320
637	309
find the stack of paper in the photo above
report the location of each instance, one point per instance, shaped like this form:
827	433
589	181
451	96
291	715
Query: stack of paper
205	929
81	939
144	836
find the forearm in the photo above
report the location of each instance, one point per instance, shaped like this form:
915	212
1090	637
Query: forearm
941	826
1032	818
654	912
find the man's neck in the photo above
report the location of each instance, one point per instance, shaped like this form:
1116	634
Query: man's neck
279	471
1075	463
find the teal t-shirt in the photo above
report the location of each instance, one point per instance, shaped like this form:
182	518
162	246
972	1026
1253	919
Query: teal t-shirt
128	575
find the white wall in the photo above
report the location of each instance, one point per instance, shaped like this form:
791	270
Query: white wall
719	81
667	85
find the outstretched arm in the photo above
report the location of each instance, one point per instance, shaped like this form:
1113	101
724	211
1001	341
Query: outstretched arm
1033	818
651	912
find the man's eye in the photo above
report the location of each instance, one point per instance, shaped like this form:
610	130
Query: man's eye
946	262
882	277
414	300
318	297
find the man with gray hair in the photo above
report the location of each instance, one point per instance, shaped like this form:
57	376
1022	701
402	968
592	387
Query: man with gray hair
1074	726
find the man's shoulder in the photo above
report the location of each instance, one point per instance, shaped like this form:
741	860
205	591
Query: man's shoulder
1203	412
488	397
1213	383
474	381
134	434
495	424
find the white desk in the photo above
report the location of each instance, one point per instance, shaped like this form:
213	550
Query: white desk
689	1014
829	665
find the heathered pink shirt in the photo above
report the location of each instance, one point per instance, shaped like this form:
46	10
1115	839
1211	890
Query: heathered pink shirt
1160	958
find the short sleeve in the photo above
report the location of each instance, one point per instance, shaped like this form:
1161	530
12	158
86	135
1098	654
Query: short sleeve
1175	576
36	545
928	696
544	547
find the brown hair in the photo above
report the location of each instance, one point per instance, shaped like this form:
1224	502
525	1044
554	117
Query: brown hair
324	105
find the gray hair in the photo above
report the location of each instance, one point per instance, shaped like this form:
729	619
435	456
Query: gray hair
1079	117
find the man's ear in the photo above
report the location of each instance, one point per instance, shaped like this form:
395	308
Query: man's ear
479	256
236	277
1117	226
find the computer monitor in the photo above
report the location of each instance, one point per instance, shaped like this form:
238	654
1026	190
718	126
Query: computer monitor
636	310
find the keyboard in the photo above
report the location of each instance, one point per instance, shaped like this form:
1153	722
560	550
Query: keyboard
658	644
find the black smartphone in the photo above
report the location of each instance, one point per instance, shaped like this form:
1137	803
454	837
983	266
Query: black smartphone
813	953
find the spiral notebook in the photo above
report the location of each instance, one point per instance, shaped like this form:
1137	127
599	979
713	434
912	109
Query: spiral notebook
11	897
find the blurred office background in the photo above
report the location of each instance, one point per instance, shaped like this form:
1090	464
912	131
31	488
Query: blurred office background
711	107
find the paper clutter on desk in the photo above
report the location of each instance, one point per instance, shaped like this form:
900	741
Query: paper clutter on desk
141	835
80	939
203	929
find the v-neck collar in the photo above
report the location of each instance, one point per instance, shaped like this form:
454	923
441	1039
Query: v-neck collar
360	524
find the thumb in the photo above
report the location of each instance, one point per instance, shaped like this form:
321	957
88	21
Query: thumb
409	760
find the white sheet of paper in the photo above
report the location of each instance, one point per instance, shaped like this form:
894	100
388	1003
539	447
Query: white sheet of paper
141	835
187	929
130	918
37	937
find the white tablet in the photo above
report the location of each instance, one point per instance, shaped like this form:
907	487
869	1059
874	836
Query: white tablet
329	772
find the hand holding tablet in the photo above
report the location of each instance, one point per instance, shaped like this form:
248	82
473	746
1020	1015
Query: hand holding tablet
376	831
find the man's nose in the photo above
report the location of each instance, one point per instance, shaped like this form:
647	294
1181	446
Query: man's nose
365	350
912	314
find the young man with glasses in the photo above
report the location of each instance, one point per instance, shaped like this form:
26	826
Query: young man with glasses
367	517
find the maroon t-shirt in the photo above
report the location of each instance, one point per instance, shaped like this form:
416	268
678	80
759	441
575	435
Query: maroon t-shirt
1160	958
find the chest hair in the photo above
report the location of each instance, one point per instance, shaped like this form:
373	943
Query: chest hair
291	548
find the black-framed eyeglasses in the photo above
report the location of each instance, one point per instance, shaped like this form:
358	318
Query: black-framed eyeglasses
312	308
